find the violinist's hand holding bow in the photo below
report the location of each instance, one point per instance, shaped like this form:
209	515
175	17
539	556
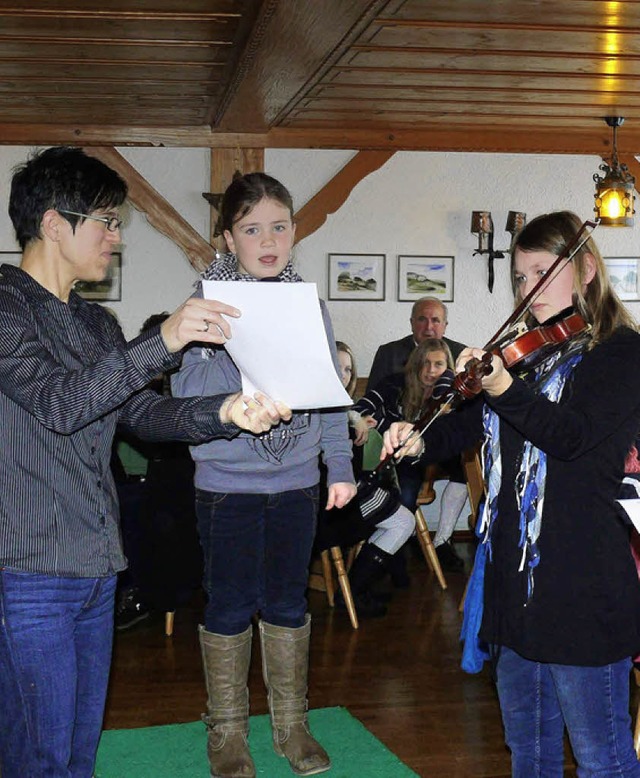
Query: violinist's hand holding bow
395	436
497	381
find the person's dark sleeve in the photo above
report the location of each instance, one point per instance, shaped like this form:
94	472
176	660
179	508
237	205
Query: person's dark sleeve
65	400
602	394
382	402
452	434
193	419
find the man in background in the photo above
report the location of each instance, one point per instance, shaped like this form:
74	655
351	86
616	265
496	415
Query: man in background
428	320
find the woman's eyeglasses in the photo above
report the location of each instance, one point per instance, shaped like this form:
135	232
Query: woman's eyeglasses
111	222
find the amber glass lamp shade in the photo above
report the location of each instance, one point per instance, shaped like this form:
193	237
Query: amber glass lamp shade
614	201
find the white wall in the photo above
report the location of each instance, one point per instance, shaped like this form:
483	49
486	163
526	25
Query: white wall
418	203
421	203
156	274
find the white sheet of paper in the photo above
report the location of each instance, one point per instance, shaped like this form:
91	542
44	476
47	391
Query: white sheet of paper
279	344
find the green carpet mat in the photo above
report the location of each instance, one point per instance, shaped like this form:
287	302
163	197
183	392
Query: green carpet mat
179	750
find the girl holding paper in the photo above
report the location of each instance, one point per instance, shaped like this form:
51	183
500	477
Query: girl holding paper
257	507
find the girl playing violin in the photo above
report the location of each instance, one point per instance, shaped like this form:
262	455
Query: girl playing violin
561	599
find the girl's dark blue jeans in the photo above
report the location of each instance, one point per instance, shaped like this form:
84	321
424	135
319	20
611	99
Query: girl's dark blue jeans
257	549
539	700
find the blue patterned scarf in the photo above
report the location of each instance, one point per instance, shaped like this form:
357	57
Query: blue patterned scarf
550	379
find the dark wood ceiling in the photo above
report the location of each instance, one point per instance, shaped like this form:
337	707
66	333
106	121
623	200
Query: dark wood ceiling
503	75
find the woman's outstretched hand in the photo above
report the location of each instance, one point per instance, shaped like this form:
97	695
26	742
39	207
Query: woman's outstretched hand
198	320
255	414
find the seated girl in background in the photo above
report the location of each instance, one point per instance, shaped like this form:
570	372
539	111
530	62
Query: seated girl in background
405	396
257	506
387	527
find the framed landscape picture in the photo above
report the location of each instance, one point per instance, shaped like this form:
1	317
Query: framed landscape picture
419	276
98	291
356	276
623	274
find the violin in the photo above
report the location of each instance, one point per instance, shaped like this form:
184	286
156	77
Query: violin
535	344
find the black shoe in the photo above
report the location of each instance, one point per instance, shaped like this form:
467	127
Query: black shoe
397	566
448	558
130	609
366	604
370	566
381	595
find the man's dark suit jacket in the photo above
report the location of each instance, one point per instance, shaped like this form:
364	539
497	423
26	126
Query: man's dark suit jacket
391	358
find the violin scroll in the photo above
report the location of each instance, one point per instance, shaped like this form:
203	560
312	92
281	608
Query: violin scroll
468	383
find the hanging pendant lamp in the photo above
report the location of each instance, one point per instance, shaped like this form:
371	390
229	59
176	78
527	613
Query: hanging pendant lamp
615	190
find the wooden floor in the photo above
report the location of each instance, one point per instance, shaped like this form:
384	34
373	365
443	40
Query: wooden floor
399	675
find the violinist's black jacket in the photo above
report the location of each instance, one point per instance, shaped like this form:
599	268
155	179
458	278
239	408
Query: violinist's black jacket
585	608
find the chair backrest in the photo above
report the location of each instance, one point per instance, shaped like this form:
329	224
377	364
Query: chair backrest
472	466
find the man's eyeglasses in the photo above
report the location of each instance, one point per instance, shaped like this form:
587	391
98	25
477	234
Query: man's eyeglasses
111	222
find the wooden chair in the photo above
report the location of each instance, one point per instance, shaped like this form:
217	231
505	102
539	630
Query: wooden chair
370	459
472	466
425	497
335	554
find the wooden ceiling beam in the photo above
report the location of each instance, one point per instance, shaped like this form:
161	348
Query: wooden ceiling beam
525	140
314	213
271	76
160	213
224	164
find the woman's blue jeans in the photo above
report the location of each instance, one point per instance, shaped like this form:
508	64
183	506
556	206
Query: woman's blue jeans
56	637
537	702
256	549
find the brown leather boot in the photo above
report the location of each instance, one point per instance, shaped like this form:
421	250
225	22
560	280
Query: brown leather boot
285	661
226	661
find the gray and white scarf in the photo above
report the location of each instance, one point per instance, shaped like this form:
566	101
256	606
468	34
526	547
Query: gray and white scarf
225	268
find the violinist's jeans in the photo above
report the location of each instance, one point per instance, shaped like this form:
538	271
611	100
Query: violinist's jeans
257	549
392	533
56	635
538	700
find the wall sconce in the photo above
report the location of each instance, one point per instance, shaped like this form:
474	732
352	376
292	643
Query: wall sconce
615	190
482	226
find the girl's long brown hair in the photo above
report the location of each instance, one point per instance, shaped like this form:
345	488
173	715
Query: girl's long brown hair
413	398
351	386
599	304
